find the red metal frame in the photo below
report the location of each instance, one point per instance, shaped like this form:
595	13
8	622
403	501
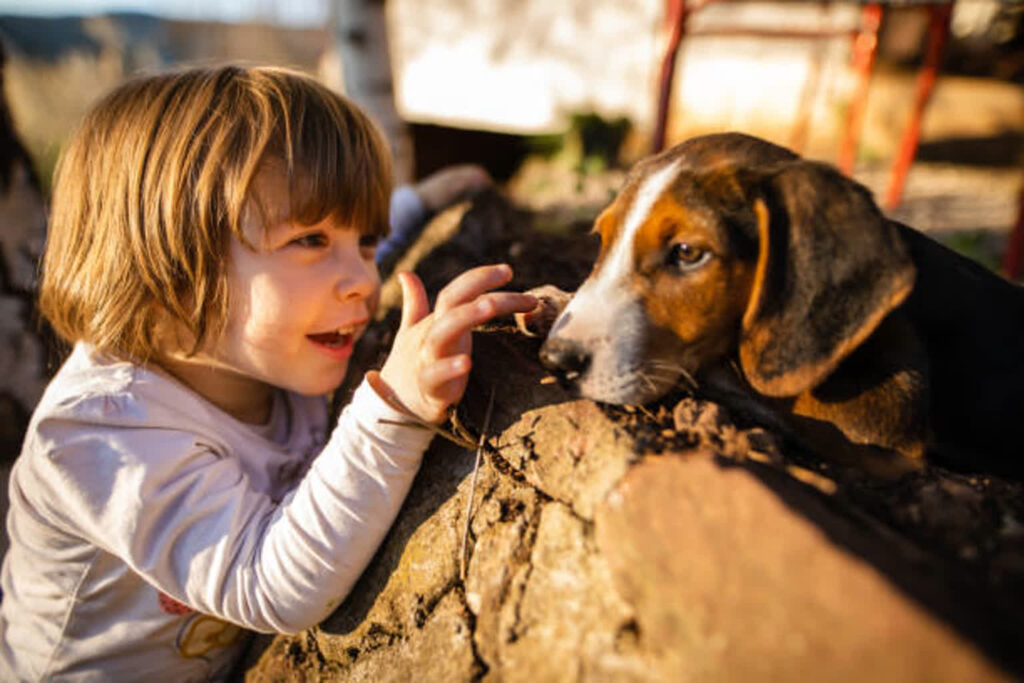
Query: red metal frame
676	13
938	33
1012	259
865	47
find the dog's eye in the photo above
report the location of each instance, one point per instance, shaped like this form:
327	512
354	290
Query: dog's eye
685	256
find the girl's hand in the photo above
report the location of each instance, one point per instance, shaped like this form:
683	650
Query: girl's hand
429	363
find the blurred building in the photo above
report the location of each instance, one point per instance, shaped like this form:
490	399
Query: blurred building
527	67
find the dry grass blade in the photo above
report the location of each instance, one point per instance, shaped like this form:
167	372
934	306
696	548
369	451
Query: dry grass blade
472	486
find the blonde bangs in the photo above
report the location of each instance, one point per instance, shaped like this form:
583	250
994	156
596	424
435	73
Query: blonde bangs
157	179
338	163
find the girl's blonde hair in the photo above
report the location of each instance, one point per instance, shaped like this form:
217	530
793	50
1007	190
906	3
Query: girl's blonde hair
157	178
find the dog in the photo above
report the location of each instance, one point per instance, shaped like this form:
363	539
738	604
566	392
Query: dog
775	282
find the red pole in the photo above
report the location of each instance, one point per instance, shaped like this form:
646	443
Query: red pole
1015	247
675	22
865	46
938	32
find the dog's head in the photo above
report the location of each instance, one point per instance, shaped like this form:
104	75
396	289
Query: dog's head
727	244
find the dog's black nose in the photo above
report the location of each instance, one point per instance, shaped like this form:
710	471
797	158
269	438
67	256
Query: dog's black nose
567	359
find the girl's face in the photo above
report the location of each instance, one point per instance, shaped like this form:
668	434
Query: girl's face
296	307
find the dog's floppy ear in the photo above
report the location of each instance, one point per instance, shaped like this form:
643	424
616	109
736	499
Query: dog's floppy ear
829	269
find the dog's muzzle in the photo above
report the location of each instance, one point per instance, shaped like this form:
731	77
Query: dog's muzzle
566	359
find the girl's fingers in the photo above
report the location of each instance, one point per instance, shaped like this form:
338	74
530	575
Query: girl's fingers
443	371
444	381
433	353
452	326
471	284
415	305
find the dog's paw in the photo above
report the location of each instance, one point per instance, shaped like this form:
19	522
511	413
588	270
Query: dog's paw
550	302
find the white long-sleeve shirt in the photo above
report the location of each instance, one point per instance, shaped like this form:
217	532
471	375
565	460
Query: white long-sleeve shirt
147	525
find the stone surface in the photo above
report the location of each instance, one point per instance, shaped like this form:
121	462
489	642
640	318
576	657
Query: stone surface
673	542
588	561
731	583
23	373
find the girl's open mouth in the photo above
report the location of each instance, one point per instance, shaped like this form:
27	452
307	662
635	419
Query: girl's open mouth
335	344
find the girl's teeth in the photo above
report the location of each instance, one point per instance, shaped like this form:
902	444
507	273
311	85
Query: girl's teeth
331	338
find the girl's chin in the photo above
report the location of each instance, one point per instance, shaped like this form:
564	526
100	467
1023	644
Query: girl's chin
322	384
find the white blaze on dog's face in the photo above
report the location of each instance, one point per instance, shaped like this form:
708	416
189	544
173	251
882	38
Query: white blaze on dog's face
662	291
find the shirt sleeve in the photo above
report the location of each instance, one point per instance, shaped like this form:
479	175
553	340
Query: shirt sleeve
186	519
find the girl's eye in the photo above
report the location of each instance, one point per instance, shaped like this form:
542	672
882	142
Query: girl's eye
685	256
314	240
368	246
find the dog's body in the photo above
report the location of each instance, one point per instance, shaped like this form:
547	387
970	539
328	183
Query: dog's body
731	261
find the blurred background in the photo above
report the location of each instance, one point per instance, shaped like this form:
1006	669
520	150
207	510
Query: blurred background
556	98
498	80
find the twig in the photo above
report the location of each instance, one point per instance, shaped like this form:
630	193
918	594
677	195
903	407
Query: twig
472	487
440	431
414	420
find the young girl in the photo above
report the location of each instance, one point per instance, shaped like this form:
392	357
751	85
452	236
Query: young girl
210	257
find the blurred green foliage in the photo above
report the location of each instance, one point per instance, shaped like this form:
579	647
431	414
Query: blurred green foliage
592	143
977	246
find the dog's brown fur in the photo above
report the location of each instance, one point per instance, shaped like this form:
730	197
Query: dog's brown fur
859	332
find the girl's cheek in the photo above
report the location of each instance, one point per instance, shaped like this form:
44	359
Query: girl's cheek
270	303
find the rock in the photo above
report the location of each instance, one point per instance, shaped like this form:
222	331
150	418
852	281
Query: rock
22	234
588	561
663	543
729	582
24	224
21	353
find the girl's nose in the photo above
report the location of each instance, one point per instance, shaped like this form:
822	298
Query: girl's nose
358	279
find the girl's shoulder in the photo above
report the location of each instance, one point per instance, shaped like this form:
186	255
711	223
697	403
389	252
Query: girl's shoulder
97	417
94	388
100	416
97	399
93	393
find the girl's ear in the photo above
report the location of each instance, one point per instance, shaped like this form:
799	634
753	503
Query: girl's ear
830	267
